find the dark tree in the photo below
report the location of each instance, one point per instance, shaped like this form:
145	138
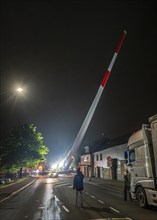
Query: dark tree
23	147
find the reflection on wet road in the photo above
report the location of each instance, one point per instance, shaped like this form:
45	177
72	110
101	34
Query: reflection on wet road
49	208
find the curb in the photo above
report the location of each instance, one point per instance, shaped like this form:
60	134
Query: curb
15	192
103	184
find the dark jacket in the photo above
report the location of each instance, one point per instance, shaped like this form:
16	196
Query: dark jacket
127	181
78	181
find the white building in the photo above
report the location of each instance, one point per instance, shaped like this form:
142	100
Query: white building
86	163
110	163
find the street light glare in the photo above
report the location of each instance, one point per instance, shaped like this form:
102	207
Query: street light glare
19	90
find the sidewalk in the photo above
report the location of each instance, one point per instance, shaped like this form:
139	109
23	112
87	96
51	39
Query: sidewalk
11	189
117	185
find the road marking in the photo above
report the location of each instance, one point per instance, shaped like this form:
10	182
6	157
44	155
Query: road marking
41	207
60	184
87	193
101	201
56	199
111	218
115	210
65	208
15	192
92	197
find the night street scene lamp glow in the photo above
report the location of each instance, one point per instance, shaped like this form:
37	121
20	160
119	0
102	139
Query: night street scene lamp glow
19	90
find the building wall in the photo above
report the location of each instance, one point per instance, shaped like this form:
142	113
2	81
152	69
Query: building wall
86	165
103	166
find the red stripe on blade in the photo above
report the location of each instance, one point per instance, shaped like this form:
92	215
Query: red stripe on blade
103	83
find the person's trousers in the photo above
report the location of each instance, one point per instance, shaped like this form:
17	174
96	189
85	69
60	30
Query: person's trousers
126	193
79	197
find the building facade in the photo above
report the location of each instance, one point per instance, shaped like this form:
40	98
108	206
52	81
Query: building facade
86	163
110	163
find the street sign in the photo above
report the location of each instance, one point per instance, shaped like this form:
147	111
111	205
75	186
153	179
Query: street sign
109	161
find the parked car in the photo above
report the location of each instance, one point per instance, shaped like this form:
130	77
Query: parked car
5	180
2	180
54	175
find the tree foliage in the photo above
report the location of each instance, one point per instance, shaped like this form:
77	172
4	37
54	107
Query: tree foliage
23	147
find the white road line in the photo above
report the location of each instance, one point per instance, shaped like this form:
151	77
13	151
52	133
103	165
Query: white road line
101	201
60	184
15	192
92	197
65	208
41	207
115	210
87	193
111	218
56	198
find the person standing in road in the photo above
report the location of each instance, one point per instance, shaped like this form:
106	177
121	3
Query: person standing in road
126	184
78	186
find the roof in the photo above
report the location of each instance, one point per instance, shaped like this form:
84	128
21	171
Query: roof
99	145
105	143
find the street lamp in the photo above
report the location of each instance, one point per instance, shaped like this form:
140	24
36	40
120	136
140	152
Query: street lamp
19	90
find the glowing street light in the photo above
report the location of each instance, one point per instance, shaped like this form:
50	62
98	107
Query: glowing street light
19	90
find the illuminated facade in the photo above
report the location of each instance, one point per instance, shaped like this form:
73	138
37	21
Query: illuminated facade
110	163
105	159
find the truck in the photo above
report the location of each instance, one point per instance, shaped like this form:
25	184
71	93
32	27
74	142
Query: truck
141	161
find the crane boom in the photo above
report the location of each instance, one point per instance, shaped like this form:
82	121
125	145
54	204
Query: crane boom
91	111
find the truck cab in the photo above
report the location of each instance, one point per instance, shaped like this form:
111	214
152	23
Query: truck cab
141	159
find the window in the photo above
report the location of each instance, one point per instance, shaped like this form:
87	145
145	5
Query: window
139	153
132	155
100	156
97	157
86	159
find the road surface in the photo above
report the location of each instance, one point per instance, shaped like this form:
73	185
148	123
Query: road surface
54	199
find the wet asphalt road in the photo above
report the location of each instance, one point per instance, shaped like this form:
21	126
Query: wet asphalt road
54	199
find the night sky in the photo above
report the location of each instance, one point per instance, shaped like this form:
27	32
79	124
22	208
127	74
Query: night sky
59	52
